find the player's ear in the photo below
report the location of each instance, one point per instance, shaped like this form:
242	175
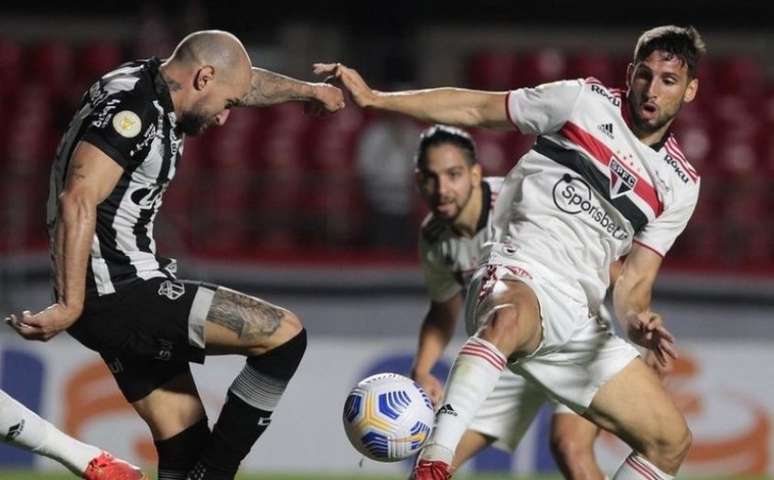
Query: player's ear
203	77
629	71
475	173
691	90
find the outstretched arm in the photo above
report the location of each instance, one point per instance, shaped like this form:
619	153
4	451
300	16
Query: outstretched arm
436	332
91	177
269	88
632	300
450	106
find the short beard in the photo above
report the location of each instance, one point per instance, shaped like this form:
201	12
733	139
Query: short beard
644	126
192	123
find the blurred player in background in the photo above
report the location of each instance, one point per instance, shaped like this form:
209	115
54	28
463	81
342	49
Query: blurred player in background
451	242
21	427
116	296
605	179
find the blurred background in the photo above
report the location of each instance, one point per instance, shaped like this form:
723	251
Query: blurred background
321	215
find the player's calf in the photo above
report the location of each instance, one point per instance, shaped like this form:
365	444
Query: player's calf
572	445
256	391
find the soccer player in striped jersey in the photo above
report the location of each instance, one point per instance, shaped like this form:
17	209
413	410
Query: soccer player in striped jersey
606	179
23	428
117	296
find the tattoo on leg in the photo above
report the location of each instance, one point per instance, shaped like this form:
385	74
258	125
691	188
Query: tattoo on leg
249	317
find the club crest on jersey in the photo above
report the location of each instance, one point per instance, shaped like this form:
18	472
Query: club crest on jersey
171	290
127	123
622	180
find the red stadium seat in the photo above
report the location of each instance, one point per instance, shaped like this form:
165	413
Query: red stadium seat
10	67
52	64
740	75
95	60
597	65
495	160
491	70
537	67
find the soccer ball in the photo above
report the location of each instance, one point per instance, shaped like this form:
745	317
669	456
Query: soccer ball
387	417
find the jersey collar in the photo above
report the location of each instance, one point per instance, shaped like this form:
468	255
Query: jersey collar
161	87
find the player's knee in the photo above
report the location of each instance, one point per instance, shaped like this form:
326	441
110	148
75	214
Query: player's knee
670	444
570	450
507	330
281	362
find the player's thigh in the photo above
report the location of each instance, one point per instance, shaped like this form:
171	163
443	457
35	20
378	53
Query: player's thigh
634	406
172	407
240	323
502	307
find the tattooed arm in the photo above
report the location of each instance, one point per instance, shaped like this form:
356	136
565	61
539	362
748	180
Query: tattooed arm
91	177
269	88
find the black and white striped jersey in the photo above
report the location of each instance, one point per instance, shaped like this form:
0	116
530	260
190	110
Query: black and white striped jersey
128	114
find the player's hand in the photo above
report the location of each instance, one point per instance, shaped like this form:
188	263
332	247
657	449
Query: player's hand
327	99
647	329
42	326
361	93
662	370
431	385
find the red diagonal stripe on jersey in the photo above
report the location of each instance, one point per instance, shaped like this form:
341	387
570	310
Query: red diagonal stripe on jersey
642	469
601	153
676	153
485	353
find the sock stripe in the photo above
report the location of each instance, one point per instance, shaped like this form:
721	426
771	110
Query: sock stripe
257	389
485	353
643	469
489	348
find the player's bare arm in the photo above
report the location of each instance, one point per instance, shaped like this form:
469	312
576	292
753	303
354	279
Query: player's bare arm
91	176
632	301
434	335
450	106
269	88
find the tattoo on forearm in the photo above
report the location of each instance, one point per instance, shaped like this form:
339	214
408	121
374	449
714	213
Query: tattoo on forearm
268	88
249	317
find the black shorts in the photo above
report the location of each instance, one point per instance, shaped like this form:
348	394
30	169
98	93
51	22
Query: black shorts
148	332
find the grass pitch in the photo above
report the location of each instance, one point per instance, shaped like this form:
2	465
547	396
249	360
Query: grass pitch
29	475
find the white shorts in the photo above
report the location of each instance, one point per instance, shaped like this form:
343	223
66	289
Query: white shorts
511	408
578	352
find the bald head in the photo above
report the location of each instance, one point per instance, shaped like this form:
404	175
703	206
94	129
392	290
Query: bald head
207	74
221	50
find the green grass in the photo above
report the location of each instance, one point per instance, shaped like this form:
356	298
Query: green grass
27	475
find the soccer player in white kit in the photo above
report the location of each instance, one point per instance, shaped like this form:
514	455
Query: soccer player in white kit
451	241
605	179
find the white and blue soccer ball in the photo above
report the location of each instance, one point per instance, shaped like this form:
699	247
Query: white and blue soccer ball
388	417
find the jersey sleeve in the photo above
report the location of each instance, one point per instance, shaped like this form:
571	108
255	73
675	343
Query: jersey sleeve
122	127
545	108
660	234
439	279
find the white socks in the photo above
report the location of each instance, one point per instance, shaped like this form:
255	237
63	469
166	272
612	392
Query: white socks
472	379
636	467
21	427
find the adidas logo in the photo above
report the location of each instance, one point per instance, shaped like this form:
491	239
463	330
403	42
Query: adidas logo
14	431
447	410
607	129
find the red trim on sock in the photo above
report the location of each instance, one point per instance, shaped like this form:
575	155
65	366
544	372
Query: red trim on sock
641	468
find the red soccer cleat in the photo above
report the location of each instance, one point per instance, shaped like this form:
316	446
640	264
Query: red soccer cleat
107	467
431	470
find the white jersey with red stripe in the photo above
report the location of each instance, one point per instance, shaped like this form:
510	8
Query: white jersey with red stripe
589	188
450	259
